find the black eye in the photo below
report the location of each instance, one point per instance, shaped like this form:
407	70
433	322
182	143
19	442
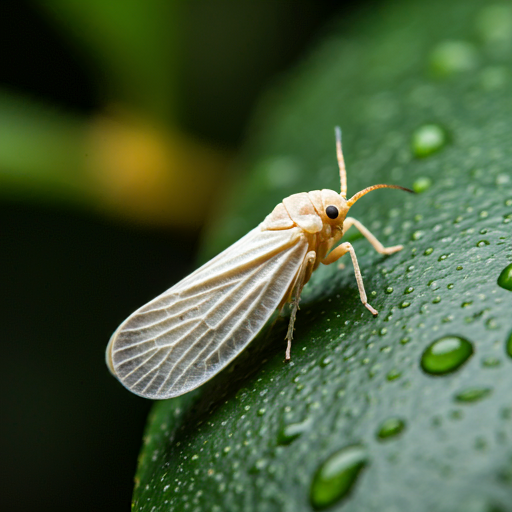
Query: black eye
331	211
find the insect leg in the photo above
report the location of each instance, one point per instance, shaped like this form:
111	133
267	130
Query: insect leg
279	311
350	221
307	265
335	255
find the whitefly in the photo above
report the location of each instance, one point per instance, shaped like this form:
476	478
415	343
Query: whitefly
193	330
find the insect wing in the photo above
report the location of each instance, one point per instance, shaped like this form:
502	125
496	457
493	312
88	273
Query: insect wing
185	336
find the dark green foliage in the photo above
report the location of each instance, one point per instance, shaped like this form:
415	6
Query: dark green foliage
381	77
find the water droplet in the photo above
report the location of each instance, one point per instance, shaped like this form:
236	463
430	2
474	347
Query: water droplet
450	286
421	184
457	414
466	304
483	243
261	411
460	267
428	139
393	375
446	355
509	345
390	428
325	362
473	395
436	300
442	257
336	476
491	362
292	431
417	235
258	466
451	57
505	279
428	251
409	289
494	23
491	323
405	340
405	304
388	290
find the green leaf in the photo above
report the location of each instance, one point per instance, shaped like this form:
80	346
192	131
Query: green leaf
356	385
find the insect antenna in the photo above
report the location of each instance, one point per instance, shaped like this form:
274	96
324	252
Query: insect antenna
341	162
365	191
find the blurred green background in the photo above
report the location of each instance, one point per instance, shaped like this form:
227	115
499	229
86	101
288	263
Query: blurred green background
118	123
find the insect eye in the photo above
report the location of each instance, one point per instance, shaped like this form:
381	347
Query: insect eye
331	212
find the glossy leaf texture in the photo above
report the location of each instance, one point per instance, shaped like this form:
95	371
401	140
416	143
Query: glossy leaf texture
357	421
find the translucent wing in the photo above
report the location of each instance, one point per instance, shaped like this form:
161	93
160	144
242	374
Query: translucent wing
189	333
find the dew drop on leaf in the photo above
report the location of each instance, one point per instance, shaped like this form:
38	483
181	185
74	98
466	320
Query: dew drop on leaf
472	395
452	57
505	278
491	323
336	476
509	345
446	355
390	428
428	139
421	184
491	362
494	23
393	375
290	432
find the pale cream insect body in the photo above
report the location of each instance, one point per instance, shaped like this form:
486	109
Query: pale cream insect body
185	336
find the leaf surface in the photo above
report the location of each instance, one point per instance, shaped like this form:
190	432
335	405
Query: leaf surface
357	421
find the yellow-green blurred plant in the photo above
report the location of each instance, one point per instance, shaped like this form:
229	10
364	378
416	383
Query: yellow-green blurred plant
129	159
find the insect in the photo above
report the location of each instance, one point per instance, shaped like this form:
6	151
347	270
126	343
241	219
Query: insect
185	336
